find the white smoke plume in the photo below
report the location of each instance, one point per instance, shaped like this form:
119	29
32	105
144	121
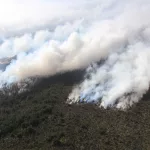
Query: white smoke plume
49	37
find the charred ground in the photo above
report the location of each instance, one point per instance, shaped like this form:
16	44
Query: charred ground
41	119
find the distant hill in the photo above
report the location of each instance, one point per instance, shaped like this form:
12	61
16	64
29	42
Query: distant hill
4	62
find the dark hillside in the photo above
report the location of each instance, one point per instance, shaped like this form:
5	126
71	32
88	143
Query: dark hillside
41	119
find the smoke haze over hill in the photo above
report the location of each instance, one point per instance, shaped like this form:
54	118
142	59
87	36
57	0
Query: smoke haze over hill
71	35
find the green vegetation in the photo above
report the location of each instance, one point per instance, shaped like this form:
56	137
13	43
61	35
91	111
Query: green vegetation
41	120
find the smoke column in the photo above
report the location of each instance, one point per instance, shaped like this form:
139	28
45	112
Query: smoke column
49	37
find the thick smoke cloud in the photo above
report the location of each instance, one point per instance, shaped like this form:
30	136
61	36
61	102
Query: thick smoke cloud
49	37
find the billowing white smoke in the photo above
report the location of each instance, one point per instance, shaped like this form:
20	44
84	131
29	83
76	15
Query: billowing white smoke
49	37
120	81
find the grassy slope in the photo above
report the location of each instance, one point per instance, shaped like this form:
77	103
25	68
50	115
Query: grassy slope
42	120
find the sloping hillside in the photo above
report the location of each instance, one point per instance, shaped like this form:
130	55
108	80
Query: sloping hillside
41	119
